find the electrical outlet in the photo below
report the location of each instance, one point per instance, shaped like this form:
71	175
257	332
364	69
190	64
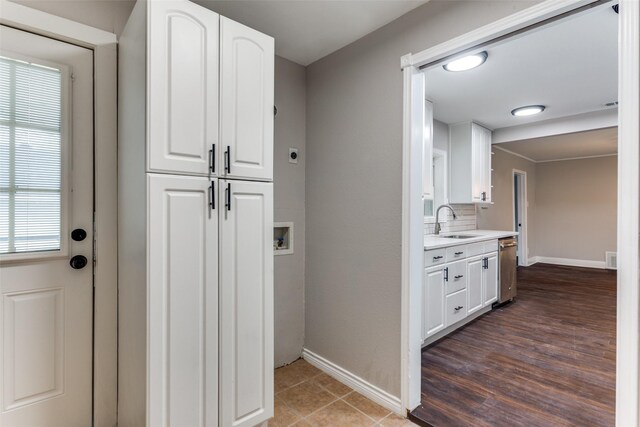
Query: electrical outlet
293	155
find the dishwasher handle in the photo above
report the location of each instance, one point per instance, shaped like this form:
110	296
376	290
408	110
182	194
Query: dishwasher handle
507	245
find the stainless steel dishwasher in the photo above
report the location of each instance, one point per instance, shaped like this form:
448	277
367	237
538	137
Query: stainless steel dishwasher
507	263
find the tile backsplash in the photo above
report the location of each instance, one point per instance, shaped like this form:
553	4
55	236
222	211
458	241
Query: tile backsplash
466	220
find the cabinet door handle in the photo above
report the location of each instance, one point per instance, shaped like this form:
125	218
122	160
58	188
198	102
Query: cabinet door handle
228	197
437	257
212	158
227	159
459	276
459	253
212	194
458	308
446	274
483	196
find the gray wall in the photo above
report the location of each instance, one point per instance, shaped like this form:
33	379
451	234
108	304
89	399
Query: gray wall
572	210
354	186
499	216
576	208
289	180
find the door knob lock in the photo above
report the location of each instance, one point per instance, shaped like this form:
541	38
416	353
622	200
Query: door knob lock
78	262
78	235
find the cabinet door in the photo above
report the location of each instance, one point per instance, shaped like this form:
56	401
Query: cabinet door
475	297
183	84
491	279
477	162
433	301
246	303
427	152
183	302
486	163
246	101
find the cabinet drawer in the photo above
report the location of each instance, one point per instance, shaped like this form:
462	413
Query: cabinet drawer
455	307
456	276
457	252
491	246
434	257
474	249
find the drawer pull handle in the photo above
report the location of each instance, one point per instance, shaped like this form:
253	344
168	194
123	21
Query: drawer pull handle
459	276
459	253
438	257
458	308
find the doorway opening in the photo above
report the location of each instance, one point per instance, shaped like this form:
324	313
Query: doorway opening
520	216
479	41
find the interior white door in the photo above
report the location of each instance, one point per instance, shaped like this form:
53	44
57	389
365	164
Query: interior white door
46	192
491	279
246	101
246	303
475	297
434	300
183	301
183	88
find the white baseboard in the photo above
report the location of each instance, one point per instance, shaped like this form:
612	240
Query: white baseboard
363	387
568	261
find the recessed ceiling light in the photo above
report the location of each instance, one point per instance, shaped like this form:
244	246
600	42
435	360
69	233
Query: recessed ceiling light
529	110
466	62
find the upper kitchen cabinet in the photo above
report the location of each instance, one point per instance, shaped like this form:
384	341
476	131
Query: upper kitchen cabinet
470	153
246	102
182	81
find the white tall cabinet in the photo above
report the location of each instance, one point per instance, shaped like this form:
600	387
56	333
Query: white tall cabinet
195	219
470	161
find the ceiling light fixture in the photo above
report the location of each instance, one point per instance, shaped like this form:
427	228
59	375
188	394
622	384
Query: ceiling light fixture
529	110
466	62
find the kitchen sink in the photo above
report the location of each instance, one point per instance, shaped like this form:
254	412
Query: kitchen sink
458	236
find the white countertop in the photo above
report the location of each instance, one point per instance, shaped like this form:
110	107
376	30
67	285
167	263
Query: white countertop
434	242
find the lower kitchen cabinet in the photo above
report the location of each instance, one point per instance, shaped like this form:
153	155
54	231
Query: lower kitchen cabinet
433	293
475	292
463	282
491	279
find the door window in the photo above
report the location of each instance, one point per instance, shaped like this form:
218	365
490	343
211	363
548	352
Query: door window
33	135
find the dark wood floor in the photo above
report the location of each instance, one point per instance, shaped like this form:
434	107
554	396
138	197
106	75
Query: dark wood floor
546	360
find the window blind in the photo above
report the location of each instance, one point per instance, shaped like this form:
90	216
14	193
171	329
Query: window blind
30	157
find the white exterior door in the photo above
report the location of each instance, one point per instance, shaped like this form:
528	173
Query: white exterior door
246	303
46	196
475	297
183	301
246	101
183	88
433	295
491	280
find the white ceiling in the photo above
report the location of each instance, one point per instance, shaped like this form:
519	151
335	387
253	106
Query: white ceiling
307	30
601	142
569	66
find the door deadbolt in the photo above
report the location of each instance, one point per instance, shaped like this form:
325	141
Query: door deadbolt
78	235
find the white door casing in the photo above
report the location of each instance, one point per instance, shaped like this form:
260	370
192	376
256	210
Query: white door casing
246	302
46	308
246	101
183	301
183	88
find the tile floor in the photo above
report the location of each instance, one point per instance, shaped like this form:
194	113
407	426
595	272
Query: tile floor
305	396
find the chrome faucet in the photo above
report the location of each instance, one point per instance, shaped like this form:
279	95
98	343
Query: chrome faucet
437	227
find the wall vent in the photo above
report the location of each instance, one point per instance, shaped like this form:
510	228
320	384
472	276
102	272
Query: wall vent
611	260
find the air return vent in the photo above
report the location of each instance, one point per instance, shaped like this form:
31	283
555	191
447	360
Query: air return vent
612	260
